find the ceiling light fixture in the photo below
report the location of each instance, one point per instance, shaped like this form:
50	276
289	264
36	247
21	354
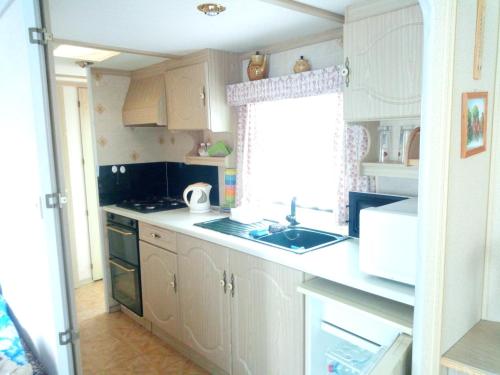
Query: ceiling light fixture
83	53
211	9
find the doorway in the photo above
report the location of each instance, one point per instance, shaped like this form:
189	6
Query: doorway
80	181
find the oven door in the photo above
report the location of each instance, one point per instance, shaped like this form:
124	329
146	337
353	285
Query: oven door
123	244
126	284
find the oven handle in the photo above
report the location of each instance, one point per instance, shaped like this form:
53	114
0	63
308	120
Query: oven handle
114	229
121	267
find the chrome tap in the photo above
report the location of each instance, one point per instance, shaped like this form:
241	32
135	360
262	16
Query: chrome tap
291	218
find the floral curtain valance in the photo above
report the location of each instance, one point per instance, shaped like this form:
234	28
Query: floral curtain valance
315	82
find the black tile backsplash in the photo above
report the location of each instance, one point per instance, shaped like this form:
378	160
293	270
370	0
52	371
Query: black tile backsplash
160	179
181	175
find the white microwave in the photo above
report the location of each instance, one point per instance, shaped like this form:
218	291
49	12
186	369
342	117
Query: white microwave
388	241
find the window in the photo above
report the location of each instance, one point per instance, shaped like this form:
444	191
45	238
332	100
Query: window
297	151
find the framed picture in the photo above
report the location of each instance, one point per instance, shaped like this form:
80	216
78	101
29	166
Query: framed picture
474	120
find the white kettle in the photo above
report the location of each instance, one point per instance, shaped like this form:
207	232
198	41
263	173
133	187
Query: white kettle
199	202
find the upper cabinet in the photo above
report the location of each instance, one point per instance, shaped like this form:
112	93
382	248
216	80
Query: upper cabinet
196	91
384	56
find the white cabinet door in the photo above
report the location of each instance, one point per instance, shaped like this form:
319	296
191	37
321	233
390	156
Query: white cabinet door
397	359
187	97
385	59
267	316
204	303
159	288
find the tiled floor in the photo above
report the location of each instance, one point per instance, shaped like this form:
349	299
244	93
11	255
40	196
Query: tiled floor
114	344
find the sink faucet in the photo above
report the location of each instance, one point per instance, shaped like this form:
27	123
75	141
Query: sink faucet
291	218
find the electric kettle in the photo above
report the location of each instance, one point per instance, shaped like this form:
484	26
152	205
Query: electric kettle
199	202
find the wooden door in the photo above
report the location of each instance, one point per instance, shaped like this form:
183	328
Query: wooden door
187	97
385	59
159	288
204	303
267	317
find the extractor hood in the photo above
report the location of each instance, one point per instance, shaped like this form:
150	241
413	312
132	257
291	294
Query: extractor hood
145	104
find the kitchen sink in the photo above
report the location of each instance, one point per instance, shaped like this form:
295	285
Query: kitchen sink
296	239
300	240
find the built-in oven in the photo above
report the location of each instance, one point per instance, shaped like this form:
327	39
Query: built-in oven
124	264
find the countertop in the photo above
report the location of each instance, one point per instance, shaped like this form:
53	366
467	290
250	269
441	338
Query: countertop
338	262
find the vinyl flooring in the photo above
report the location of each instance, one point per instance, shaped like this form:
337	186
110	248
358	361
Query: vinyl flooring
114	344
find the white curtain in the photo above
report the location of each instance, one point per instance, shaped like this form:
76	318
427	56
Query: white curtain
292	141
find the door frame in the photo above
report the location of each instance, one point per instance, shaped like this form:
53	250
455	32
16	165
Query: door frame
437	84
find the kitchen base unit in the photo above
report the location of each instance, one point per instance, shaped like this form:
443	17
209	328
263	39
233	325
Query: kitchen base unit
353	332
240	312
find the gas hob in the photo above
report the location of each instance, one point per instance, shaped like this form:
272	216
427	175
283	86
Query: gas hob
152	204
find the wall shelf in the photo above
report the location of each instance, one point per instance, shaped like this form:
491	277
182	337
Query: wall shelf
389	170
215	161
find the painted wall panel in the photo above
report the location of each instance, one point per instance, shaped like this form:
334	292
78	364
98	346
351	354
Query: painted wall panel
469	182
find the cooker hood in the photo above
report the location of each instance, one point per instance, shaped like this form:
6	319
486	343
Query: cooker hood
145	104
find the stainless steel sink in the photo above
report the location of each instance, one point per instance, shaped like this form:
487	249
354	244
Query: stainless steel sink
296	239
300	240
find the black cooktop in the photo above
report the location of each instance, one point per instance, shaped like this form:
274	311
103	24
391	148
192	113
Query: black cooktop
152	204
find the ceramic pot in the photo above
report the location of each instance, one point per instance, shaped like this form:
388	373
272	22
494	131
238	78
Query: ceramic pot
257	68
302	65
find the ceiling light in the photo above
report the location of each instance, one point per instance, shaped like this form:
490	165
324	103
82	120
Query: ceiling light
83	53
211	9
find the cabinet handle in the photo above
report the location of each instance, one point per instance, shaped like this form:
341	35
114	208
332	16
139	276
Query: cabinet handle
223	283
155	235
173	284
230	286
346	71
202	95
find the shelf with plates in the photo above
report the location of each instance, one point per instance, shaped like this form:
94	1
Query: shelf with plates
216	161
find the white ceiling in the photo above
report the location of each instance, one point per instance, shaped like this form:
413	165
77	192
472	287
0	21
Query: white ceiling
177	27
123	61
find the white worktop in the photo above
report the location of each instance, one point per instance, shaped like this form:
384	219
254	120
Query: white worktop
338	262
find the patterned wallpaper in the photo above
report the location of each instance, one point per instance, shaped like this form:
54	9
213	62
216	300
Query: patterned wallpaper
117	144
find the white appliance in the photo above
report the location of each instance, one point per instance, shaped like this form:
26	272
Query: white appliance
199	202
388	241
350	332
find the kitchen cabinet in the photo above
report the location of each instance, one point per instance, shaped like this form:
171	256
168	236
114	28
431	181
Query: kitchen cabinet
204	300
267	317
384	56
196	92
240	312
159	288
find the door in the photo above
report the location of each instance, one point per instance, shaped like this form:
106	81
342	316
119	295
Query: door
397	359
126	284
159	288
267	317
385	65
91	190
204	299
187	97
33	260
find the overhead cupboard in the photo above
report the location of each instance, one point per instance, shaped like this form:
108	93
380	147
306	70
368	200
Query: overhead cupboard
383	55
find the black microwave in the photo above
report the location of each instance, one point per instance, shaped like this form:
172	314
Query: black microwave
358	201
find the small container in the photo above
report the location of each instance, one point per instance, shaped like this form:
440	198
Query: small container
404	136
384	143
202	150
301	65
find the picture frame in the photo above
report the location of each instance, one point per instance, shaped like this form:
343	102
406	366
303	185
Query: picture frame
474	123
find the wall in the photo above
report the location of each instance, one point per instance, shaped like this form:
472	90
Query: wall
491	306
468	181
117	144
320	55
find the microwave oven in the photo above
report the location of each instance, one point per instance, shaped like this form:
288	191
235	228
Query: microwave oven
359	201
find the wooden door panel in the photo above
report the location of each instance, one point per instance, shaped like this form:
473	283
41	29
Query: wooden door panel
204	305
267	318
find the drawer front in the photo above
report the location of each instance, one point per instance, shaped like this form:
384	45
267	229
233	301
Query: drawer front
157	236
